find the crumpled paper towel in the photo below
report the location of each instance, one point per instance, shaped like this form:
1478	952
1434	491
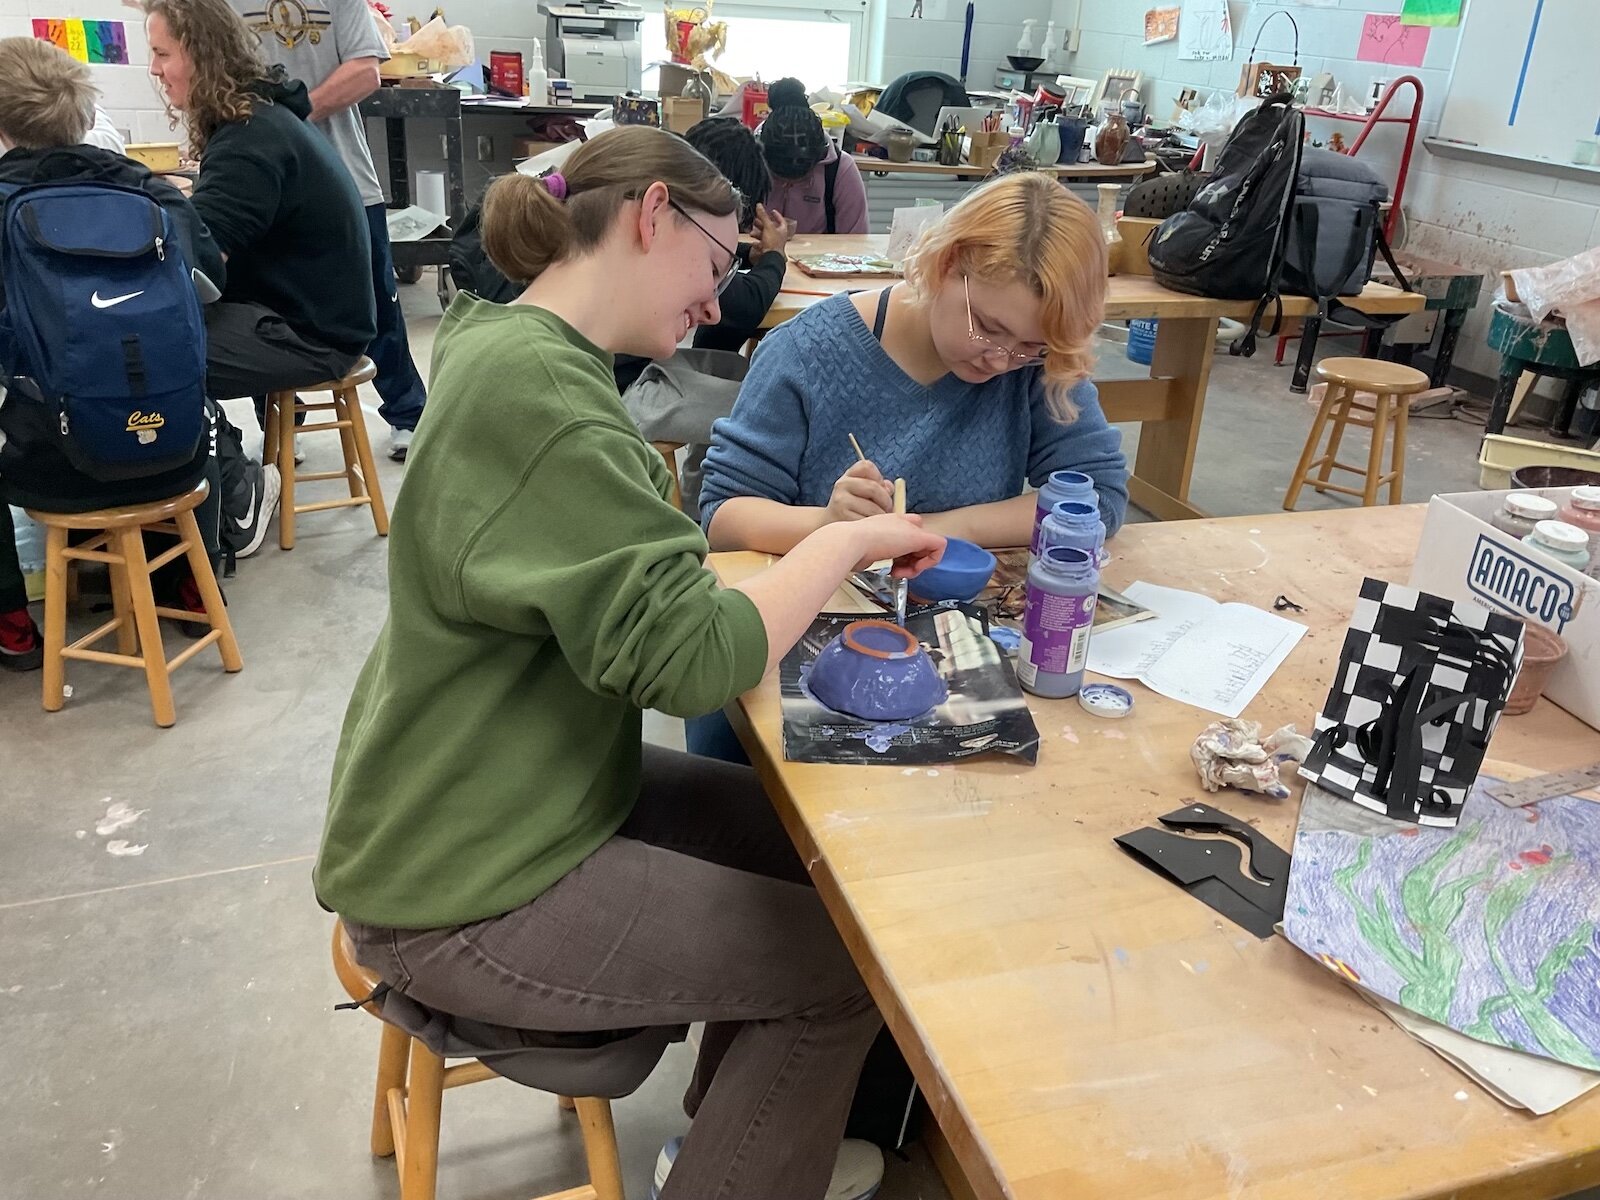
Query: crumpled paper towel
1232	753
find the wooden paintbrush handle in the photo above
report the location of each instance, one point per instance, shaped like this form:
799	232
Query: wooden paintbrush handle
900	496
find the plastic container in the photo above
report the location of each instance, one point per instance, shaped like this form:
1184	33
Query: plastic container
1142	340
538	83
1567	544
1583	510
1520	512
1501	455
1076	524
1060	487
1063	584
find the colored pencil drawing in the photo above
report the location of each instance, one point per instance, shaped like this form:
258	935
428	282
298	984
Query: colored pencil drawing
1489	928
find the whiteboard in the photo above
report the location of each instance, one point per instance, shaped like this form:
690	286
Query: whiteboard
1527	78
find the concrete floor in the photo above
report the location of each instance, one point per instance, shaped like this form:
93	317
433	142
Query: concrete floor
165	1012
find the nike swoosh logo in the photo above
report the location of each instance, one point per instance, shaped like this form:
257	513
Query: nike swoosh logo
111	301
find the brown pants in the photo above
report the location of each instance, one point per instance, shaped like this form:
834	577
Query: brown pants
698	910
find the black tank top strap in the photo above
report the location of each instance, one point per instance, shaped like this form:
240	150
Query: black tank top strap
883	312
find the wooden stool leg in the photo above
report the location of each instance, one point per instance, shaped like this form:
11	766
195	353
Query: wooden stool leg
1341	418
122	604
1318	423
567	1103
130	544
286	469
269	442
392	1052
347	438
419	1168
1397	456
369	473
55	618
600	1147
205	579
1380	426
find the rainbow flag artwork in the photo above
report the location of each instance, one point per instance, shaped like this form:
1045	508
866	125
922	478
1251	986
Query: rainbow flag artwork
86	41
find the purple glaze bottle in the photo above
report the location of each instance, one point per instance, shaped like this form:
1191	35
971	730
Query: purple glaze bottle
1061	486
1063	584
1074	523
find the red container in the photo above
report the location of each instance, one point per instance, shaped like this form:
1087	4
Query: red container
505	72
755	105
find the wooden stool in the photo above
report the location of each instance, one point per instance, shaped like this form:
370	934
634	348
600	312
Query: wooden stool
359	472
669	454
119	543
411	1083
1390	384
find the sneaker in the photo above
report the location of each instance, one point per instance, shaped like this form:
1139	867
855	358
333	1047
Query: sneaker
253	527
400	444
857	1172
21	647
186	596
299	454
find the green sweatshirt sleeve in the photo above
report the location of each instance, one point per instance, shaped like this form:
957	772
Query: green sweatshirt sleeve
585	550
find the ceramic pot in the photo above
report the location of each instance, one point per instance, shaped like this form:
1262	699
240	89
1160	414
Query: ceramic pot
877	671
1112	139
1541	651
961	574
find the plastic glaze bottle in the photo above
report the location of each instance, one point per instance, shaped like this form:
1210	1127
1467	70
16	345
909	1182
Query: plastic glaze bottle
1074	523
1061	486
1063	584
1567	544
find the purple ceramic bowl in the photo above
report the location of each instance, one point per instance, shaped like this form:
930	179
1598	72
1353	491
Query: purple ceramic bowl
876	671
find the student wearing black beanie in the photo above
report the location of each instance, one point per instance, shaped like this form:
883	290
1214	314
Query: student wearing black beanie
812	184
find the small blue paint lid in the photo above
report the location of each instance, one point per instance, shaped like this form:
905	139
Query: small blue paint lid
1105	700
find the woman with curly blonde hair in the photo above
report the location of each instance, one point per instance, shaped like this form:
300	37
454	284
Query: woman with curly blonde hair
298	307
969	380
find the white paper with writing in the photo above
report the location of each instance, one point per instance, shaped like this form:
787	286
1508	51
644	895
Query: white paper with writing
1195	650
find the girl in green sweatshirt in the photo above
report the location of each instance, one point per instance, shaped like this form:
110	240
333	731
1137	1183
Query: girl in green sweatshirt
498	842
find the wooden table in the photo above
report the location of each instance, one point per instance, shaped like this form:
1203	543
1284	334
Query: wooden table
1083	1029
882	166
1168	405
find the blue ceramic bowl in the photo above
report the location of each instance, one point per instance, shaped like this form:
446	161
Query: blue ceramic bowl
877	671
961	574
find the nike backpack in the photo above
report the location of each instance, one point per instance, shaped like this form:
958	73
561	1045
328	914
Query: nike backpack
103	326
1229	243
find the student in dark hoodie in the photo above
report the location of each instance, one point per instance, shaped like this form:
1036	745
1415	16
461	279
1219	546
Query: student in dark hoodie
298	305
812	183
46	110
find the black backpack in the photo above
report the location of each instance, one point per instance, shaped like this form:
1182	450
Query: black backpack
470	268
1229	243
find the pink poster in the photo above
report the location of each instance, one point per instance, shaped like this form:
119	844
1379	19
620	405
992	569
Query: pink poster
1385	40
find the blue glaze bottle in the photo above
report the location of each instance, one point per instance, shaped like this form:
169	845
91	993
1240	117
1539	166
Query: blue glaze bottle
1074	523
1060	487
1063	584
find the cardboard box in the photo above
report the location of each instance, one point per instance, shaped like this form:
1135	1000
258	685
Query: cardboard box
527	147
682	113
984	148
1464	557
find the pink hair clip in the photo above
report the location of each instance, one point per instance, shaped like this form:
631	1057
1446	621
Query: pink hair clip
556	184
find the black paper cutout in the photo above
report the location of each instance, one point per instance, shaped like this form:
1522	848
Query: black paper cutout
1212	869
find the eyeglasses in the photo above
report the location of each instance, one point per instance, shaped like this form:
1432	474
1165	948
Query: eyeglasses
733	255
1013	357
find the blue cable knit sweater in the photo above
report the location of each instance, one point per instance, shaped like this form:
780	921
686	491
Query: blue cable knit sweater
823	376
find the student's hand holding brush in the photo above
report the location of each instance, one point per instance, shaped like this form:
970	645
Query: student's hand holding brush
861	492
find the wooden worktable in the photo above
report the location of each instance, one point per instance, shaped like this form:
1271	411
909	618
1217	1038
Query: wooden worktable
1168	405
882	166
1084	1030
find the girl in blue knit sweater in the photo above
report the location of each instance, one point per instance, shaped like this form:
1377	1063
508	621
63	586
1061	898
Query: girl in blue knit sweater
969	380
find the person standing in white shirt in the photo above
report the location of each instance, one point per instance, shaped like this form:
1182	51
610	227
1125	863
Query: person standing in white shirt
334	48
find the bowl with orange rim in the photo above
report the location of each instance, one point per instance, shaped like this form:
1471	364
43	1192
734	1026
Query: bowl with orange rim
876	671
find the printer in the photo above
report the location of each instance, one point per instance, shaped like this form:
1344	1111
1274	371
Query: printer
595	44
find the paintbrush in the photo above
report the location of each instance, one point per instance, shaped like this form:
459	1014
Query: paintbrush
900	584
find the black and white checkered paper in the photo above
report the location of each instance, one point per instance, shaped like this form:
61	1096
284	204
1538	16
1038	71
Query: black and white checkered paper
1457	649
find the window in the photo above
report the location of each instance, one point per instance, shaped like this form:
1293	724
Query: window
820	42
